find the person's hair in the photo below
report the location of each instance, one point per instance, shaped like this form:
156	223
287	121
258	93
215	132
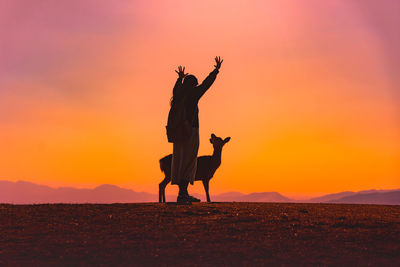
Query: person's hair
189	82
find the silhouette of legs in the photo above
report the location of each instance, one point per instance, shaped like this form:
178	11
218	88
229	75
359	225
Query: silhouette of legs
205	184
183	185
183	195
161	189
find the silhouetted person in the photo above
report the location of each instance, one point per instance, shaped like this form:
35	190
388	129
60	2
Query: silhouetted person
187	93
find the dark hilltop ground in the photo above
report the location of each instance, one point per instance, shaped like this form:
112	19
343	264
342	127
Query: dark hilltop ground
203	234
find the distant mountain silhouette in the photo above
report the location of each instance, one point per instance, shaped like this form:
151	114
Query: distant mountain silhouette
28	193
22	192
372	196
377	197
330	197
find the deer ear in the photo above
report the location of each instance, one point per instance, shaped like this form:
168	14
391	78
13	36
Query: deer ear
213	135
226	140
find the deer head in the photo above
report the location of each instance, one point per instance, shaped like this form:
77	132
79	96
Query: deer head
218	142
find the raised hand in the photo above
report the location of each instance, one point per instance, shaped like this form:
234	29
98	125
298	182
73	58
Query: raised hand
219	61
181	72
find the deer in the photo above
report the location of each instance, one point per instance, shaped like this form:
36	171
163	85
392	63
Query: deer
206	167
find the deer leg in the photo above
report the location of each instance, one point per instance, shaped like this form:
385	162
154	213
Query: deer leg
163	194
205	184
161	189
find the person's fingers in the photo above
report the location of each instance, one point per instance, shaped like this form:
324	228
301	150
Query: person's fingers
176	72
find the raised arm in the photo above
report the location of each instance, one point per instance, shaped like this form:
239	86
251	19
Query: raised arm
178	84
206	84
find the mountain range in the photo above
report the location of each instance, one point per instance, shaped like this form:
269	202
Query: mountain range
22	192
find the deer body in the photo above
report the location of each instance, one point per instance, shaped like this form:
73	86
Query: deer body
206	167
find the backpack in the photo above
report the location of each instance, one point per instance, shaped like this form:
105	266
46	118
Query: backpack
178	127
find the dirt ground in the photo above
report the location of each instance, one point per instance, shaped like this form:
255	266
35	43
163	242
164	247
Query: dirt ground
229	234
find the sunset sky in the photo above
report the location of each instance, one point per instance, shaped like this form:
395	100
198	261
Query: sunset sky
309	92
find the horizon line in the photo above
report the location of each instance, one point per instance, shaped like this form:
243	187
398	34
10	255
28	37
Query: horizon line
299	197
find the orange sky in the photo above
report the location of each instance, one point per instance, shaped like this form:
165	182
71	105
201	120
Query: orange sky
308	91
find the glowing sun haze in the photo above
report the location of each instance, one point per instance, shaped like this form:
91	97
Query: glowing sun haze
308	91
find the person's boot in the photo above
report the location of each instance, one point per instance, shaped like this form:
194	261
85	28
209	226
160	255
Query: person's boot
192	198
183	196
183	199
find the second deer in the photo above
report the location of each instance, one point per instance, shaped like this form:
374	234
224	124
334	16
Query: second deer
206	167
